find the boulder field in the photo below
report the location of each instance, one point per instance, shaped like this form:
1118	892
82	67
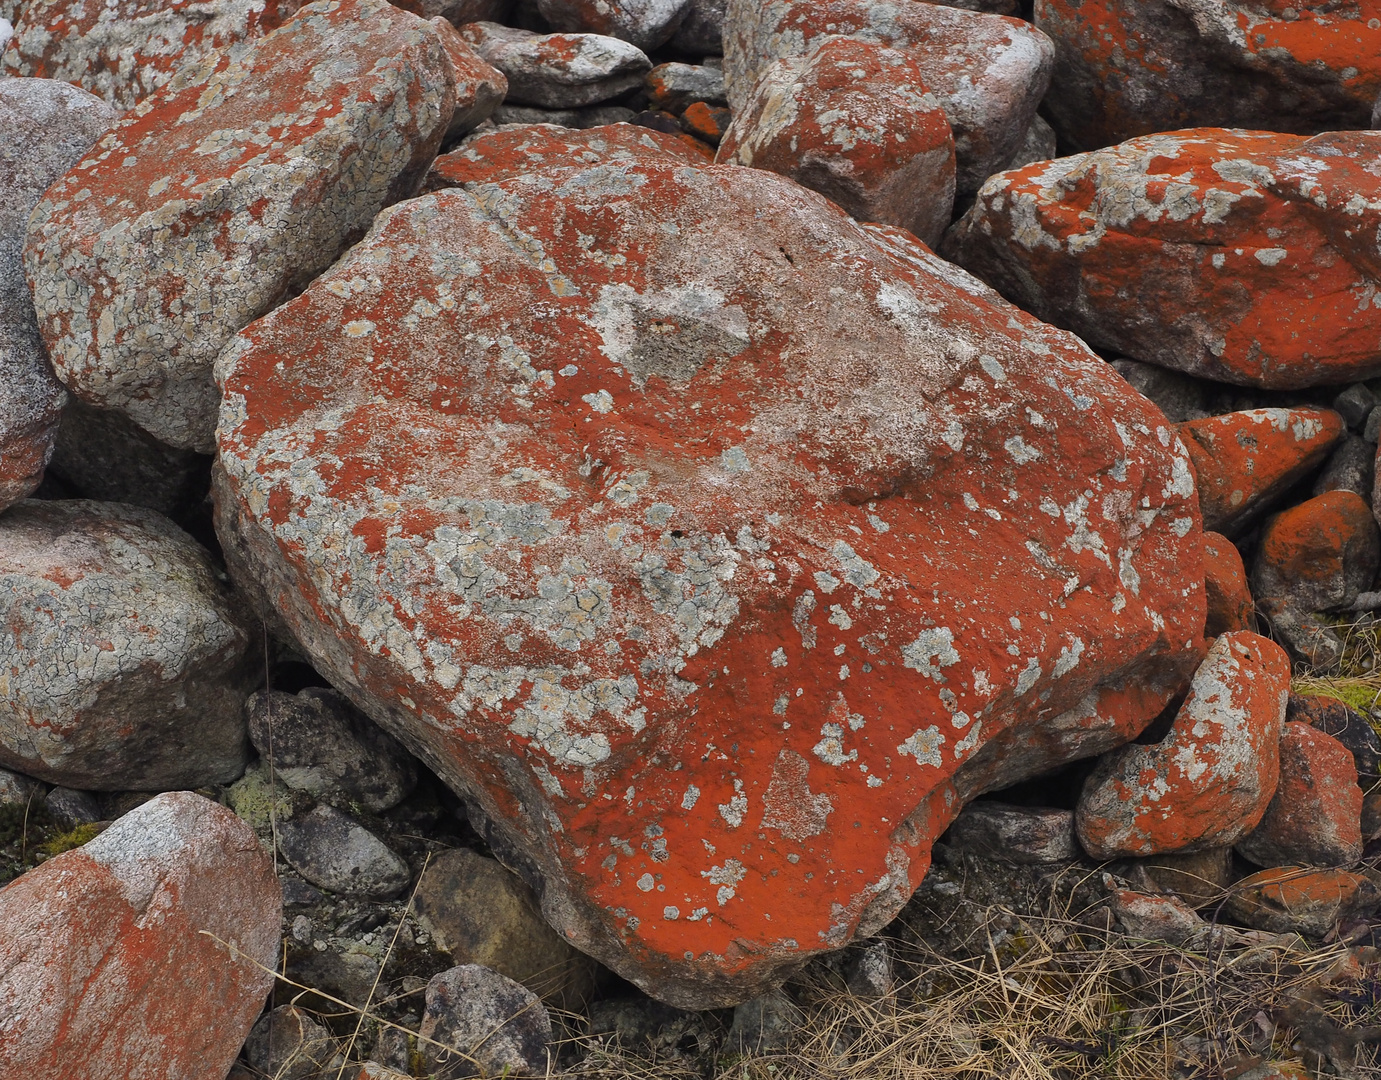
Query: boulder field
614	489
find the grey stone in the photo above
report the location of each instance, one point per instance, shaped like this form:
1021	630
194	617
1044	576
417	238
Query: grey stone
127	660
334	851
1307	638
596	116
45	127
674	86
493	1024
1355	404
868	972
1351	467
287	1044
6	33
559	71
1153	917
70	808
702	29
319	743
648	24
1018	834
460	12
765	1024
1180	397
1039	144
1371	430
16	789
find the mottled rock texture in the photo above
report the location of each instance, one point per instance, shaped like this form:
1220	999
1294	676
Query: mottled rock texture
1317	556
1296	899
645	23
1130	67
1229	598
559	71
460	12
488	156
124	661
45	126
1019	834
1207	783
109	963
1354	731
124	50
988	72
573	484
479	87
224	192
701	32
1243	256
333	850
855	122
1245	461
496	1026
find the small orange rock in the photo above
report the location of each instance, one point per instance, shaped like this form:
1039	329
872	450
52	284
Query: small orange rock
1317	556
1230	604
706	122
1244	460
1289	899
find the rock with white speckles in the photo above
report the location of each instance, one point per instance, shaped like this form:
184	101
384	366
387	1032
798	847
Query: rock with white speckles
124	662
1208	782
1132	67
572	482
124	50
559	71
988	72
1317	556
333	850
648	24
494	1025
135	955
479	87
45	126
224	192
1242	256
855	122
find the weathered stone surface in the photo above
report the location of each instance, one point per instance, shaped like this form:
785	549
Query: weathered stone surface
765	1025
1019	834
45	126
1151	917
674	86
1245	461
701	32
460	12
988	72
241	179
1039	145
319	743
1199	878
1354	731
489	156
1351	467
124	50
706	122
855	122
336	852
1293	899
1242	256
495	1025
1317	556
480	913
287	1044
647	24
1315	817
106	966
1180	397
1354	405
479	87
1229	598
1130	67
70	808
570	481
1208	782
559	71
594	116
124	661
19	790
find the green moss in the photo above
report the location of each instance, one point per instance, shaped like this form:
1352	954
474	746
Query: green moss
1356	695
69	840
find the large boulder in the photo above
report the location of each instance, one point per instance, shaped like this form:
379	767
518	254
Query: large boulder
558	71
147	952
988	72
1132	67
124	660
572	482
1243	256
225	192
45	126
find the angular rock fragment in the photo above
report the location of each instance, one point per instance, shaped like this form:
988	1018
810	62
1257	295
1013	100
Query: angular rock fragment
70	808
1019	834
124	50
1317	556
479	87
45	126
1241	256
674	86
241	179
1157	918
1230	605
336	852
1354	731
1351	467
582	454
287	1044
499	155
1130	67
109	951
1245	461
493	1025
1199	878
646	24
1208	782
855	122
1315	817
559	71
706	122
1294	899
124	661
988	72
701	32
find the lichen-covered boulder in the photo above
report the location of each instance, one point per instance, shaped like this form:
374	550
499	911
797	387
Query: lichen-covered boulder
573	483
855	122
1243	256
1317	556
988	72
222	193
147	952
1230	605
124	660
648	24
1132	67
45	126
124	50
558	71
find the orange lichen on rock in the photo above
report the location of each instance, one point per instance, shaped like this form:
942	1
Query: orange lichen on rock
1294	899
1317	556
1229	598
